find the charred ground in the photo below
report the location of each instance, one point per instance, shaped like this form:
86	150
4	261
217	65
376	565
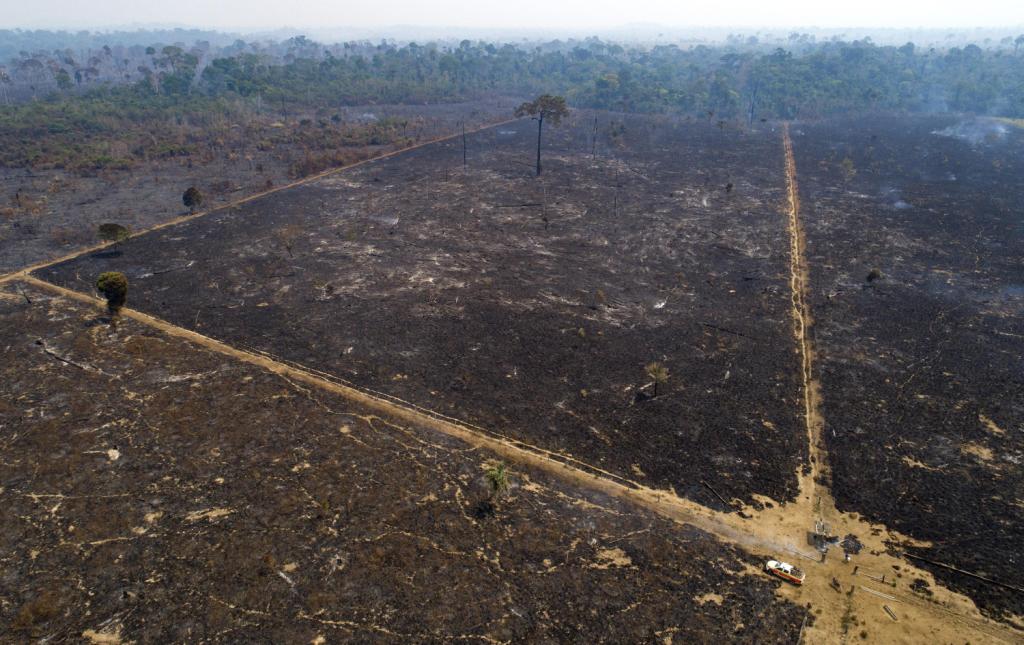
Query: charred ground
49	210
531	306
528	306
921	365
157	491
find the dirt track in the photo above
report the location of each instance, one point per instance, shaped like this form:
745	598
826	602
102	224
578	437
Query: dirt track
920	368
174	221
527	306
158	491
768	532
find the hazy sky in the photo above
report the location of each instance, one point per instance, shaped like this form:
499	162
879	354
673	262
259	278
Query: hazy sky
535	14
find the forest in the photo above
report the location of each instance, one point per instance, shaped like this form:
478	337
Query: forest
70	96
301	343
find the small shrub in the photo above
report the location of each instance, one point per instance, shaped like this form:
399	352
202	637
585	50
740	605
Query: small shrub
658	373
497	479
65	236
848	169
115	233
287	236
192	199
873	275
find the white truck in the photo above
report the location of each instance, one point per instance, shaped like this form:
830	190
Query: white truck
786	571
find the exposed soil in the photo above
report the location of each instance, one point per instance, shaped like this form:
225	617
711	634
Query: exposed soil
768	531
921	365
49	213
849	607
527	306
158	491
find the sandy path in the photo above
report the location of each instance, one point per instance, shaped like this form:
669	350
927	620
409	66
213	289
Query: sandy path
775	531
305	180
853	605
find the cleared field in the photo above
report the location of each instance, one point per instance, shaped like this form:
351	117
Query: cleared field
50	213
921	369
527	306
154	491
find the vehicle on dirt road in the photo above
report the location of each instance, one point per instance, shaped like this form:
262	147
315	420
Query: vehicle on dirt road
786	571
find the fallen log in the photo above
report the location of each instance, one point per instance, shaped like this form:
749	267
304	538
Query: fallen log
717	495
723	329
966	573
67	361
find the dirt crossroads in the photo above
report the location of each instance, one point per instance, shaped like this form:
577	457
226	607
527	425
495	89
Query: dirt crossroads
854	604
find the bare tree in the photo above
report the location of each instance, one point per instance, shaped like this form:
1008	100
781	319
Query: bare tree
5	82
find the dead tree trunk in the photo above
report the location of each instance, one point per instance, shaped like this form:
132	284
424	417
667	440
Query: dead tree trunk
540	127
753	102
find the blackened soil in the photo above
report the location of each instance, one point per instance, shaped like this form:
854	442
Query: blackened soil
161	493
528	306
922	369
50	213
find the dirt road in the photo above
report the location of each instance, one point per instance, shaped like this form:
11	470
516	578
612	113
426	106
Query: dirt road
846	598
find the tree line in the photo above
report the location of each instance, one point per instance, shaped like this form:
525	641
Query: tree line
817	80
177	83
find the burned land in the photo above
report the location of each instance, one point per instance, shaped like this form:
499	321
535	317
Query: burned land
157	491
914	241
526	305
57	185
451	279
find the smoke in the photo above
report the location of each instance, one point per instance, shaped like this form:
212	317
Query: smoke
893	198
975	132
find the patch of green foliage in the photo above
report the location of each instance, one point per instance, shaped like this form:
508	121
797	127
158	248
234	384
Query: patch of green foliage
112	126
114	287
497	479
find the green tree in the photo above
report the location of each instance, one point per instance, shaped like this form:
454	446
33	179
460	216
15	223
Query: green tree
64	80
658	373
114	287
544	107
113	233
192	199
